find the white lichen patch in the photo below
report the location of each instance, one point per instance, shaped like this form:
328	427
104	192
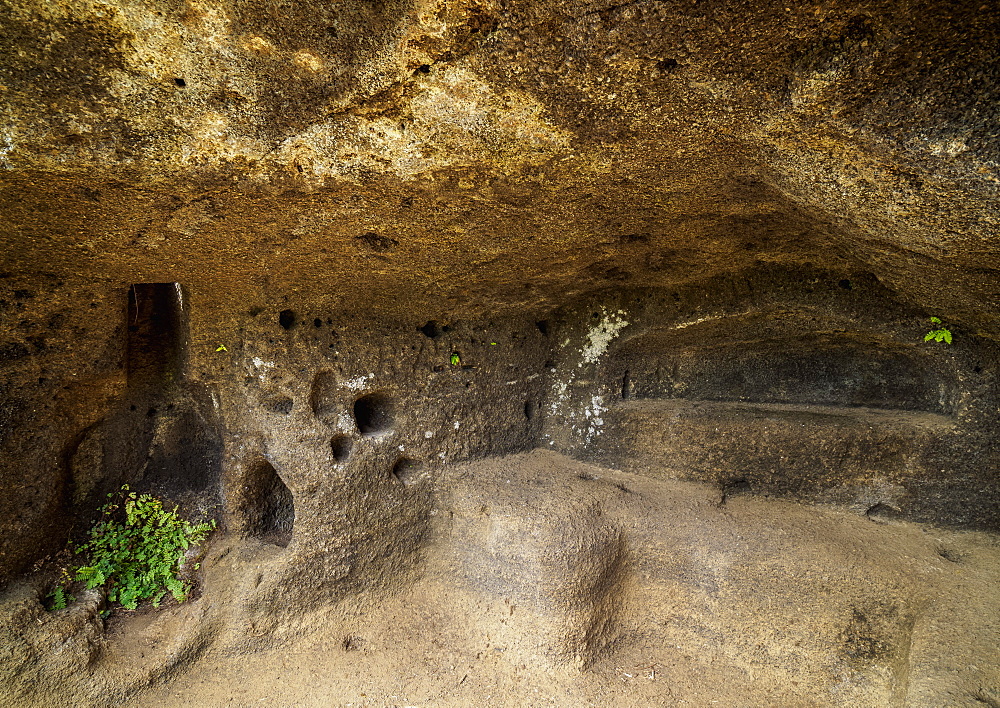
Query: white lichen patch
601	335
358	383
560	393
594	421
262	367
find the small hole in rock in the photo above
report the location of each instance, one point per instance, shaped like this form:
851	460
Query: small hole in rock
180	82
951	555
431	329
846	284
424	68
543	327
374	414
353	643
407	471
735	487
529	409
882	513
667	64
341	445
286	318
317	322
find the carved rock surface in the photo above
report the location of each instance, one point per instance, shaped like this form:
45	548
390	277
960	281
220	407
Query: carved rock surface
290	266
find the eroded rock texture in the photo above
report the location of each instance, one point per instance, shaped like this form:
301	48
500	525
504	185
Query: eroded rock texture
288	264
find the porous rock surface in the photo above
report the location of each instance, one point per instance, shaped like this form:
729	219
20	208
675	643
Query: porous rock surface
289	265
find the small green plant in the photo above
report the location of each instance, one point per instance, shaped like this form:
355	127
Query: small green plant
941	334
455	359
59	598
136	549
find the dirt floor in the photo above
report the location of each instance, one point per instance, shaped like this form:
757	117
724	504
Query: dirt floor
549	582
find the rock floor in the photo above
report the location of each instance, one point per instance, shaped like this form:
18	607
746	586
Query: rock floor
546	581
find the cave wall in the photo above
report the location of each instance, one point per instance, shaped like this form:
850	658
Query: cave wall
506	171
61	371
312	430
356	419
811	384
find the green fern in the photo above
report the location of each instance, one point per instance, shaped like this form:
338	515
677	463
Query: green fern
941	334
59	599
138	554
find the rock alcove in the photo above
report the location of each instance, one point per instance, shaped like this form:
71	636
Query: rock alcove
545	352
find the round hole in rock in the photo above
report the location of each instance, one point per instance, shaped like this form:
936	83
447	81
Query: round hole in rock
286	318
431	329
341	447
374	414
408	471
269	506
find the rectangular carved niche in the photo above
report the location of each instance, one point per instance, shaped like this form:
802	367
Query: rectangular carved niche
155	334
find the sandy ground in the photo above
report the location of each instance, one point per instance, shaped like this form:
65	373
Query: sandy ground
747	602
